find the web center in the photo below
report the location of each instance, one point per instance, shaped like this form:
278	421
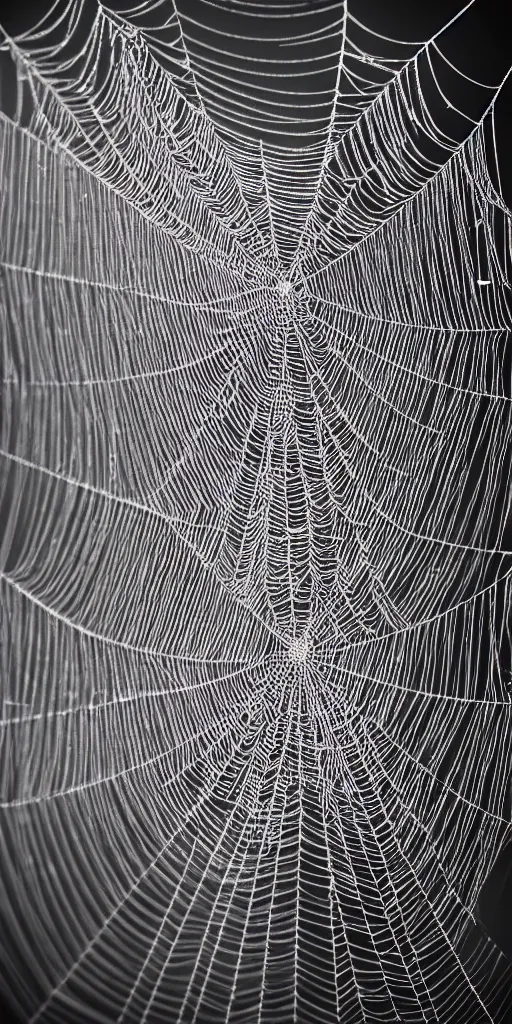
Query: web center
299	649
284	288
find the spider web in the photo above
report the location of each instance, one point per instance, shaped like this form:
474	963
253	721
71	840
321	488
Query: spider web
256	560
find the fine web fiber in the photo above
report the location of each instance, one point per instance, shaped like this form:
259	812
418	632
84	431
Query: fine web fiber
256	551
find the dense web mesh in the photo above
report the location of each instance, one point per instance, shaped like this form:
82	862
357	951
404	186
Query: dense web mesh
255	309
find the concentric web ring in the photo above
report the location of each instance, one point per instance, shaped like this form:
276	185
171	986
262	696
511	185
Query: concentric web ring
255	286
